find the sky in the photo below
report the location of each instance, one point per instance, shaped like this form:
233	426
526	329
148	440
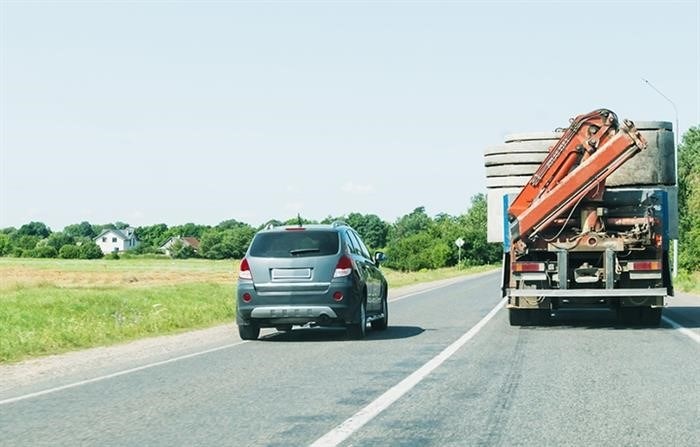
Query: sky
174	112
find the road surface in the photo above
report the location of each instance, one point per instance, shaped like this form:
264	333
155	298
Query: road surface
448	371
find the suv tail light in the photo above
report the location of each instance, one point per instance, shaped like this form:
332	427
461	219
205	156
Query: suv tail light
244	270
343	268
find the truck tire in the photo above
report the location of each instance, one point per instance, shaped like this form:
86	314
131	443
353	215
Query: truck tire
650	316
639	316
529	317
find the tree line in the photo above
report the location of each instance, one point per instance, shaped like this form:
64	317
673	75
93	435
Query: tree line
414	241
689	200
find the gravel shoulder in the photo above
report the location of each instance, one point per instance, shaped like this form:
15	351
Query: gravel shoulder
107	359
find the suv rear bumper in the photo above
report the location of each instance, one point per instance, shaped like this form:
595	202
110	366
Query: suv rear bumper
269	310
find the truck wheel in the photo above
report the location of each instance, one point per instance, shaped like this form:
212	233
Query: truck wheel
529	317
249	332
518	317
650	316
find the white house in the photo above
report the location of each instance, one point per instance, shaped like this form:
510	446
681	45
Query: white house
185	241
112	241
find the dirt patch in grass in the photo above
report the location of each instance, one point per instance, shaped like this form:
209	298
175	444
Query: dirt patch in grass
15	277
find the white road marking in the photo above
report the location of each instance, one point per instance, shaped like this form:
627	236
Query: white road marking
683	330
457	281
356	421
116	374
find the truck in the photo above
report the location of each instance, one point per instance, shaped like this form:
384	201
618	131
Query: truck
570	242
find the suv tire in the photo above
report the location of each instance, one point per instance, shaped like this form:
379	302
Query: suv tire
358	330
382	323
249	332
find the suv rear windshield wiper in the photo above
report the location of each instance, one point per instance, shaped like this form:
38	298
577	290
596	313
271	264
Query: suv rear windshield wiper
300	251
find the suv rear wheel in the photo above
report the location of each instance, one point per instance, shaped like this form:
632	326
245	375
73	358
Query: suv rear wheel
249	332
359	329
382	323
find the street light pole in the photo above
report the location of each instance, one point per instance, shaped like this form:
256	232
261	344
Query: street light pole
675	163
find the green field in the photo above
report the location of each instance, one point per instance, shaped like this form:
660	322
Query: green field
49	306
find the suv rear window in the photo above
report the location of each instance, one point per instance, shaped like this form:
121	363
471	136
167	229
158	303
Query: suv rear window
293	244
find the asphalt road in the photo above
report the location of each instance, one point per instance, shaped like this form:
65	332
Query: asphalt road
583	381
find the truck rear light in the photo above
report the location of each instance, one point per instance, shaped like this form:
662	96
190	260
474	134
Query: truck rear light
338	296
247	298
528	266
343	268
644	265
244	270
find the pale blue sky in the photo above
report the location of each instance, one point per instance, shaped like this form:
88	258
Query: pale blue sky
175	112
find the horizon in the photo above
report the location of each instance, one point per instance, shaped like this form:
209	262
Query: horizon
177	113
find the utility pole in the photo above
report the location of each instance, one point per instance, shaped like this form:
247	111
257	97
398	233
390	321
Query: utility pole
675	162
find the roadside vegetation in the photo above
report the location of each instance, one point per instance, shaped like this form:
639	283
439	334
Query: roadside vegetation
49	306
689	211
59	293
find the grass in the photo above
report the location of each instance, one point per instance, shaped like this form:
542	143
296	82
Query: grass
688	282
49	306
396	278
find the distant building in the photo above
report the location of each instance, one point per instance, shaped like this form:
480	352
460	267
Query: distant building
113	241
185	241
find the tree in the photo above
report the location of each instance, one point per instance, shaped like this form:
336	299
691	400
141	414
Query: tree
58	240
25	242
223	244
230	224
83	229
689	199
371	228
152	235
477	250
415	222
178	250
5	244
417	251
34	229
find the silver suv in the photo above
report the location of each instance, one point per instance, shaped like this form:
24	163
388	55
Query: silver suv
310	275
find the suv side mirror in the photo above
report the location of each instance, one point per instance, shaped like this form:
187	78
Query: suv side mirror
379	257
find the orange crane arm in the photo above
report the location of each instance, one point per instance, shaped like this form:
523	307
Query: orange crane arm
591	149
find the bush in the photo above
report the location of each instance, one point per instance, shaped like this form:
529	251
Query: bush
69	252
113	256
90	250
416	252
44	251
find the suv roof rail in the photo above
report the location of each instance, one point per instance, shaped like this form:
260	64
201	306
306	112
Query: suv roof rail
339	223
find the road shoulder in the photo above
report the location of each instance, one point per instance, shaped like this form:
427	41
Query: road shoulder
77	364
